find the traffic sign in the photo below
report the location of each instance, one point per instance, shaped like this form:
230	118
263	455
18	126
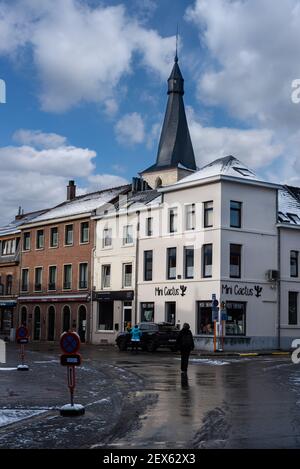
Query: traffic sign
22	332
70	342
22	341
73	359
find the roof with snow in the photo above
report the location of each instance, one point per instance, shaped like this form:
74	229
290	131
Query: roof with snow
83	204
227	166
133	201
14	226
289	205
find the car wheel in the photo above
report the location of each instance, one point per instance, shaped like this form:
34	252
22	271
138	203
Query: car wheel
122	346
151	346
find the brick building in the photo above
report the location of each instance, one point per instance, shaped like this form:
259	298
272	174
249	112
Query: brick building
10	271
55	276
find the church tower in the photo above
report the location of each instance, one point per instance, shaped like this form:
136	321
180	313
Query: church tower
175	156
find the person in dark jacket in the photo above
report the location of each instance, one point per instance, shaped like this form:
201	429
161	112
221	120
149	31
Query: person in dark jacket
185	344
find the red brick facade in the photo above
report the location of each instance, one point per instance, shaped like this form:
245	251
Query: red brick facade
50	302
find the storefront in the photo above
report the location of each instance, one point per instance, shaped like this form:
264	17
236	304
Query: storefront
113	312
7	309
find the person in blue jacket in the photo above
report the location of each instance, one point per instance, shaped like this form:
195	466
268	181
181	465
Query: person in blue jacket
136	335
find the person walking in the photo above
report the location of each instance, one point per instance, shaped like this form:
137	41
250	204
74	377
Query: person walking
185	344
136	335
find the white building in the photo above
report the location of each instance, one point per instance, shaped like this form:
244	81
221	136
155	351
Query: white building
162	254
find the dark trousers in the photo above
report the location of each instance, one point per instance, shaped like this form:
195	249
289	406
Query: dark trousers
135	345
185	360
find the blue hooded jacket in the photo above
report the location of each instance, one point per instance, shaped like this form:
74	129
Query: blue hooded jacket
136	333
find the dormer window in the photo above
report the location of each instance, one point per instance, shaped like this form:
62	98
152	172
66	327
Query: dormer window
244	171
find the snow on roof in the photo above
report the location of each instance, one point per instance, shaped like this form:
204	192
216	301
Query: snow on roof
227	166
288	206
14	226
82	204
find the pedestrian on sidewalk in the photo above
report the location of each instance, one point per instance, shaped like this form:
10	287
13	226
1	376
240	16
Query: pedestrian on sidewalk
136	334
185	344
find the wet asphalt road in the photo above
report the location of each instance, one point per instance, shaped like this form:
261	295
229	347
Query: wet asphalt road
140	401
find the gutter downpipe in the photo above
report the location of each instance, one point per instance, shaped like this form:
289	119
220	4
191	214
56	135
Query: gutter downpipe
93	254
137	249
279	278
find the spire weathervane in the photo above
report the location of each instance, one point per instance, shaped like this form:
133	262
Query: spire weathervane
176	53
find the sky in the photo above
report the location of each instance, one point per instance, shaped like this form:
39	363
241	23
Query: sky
86	90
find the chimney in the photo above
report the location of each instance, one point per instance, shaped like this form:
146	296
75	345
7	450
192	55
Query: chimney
71	190
20	214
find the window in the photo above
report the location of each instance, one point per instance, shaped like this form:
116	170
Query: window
9	280
235	260
38	279
171	312
147	312
8	247
84	232
190	217
54	237
25	276
149	226
83	275
148	265
294	263
69	235
1	287
107	237
106	276
189	262
205	324
127	275
236	318
173	215
40	239
67	277
128	235
105	315
207	260
293	308
208	214
52	278
235	214
26	241
171	263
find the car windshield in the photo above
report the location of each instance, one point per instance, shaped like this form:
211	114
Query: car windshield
167	328
148	327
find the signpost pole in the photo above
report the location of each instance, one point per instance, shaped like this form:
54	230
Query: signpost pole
22	339
70	344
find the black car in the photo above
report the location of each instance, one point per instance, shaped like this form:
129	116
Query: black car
154	335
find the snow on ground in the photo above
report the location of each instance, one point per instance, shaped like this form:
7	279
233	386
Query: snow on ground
8	369
9	416
206	361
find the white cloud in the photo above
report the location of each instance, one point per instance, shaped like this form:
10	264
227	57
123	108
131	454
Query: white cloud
81	52
35	175
130	129
39	138
254	48
103	181
257	148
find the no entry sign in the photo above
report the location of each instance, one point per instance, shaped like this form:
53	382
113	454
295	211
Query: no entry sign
22	335
70	342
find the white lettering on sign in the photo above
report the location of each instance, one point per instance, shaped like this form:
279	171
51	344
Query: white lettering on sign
2	92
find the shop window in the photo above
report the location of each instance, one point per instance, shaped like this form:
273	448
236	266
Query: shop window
293	308
171	312
105	315
236	318
205	324
147	312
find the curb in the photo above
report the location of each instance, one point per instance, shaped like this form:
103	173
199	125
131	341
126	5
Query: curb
241	354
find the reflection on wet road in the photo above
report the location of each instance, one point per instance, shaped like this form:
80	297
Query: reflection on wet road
226	403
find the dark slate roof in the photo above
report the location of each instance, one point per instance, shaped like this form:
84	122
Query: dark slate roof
136	199
15	225
175	145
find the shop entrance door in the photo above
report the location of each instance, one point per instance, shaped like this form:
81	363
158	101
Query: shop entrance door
82	323
127	315
37	324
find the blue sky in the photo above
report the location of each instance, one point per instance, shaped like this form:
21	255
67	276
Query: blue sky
86	89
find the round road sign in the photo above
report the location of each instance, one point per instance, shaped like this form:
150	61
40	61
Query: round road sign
70	342
22	332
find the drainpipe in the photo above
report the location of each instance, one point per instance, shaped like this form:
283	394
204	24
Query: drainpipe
279	290
91	322
137	250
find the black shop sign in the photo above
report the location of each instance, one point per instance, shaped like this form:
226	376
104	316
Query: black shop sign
171	291
239	290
